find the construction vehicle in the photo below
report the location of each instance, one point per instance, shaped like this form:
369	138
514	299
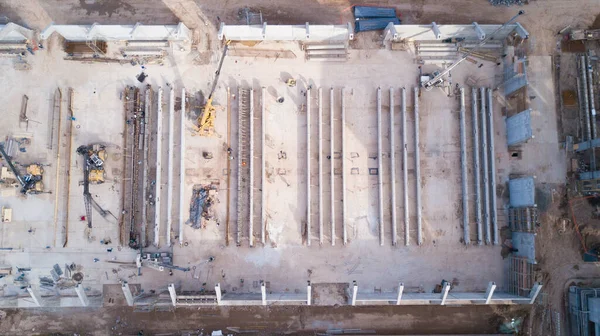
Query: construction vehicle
31	183
206	120
93	173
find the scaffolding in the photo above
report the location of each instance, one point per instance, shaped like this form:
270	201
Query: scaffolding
520	277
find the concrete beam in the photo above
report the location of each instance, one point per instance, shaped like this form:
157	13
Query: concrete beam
320	136
127	293
263	292
308	164
344	208
251	169
309	294
480	33
535	291
354	292
405	171
170	164
490	292
157	180
400	291
146	130
35	295
173	294
590	72
436	31
463	169
393	170
263	164
331	161
484	159
218	293
445	291
380	167
182	167
82	296
493	210
418	167
476	169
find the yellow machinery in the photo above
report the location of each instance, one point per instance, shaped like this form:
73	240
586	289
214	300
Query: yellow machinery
206	121
96	154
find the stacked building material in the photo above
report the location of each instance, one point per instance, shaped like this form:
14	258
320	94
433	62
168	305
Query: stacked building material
373	18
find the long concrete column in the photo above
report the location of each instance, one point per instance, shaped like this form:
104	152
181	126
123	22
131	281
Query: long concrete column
393	169
147	101
173	294
405	171
331	161
344	232
354	292
590	73
535	291
251	169
263	166
218	293
308	294
82	296
445	291
308	162
490	292
263	292
182	167
476	168
320	136
463	169
400	291
380	167
493	207
127	293
418	167
35	296
158	181
484	159
170	164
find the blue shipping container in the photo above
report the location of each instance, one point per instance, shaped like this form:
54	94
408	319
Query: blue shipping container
373	24
364	12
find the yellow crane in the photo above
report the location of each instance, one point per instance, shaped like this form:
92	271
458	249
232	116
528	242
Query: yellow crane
206	120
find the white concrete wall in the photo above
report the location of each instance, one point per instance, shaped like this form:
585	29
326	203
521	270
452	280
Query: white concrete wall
13	33
468	32
137	32
286	32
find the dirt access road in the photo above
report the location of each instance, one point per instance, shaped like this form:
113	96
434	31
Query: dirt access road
559	255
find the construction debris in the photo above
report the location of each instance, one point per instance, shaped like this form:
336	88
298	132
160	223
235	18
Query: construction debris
202	206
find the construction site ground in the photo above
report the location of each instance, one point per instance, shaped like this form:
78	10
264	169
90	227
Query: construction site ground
286	262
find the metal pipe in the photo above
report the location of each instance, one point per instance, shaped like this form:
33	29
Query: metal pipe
320	121
380	167
158	181
418	167
476	168
484	159
263	164
493	209
393	169
405	171
308	235
590	72
170	164
584	89
182	167
251	169
463	169
344	233
331	161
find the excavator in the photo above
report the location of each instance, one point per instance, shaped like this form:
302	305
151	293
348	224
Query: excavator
206	120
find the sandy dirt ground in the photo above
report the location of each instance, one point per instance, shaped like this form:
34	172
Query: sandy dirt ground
559	256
